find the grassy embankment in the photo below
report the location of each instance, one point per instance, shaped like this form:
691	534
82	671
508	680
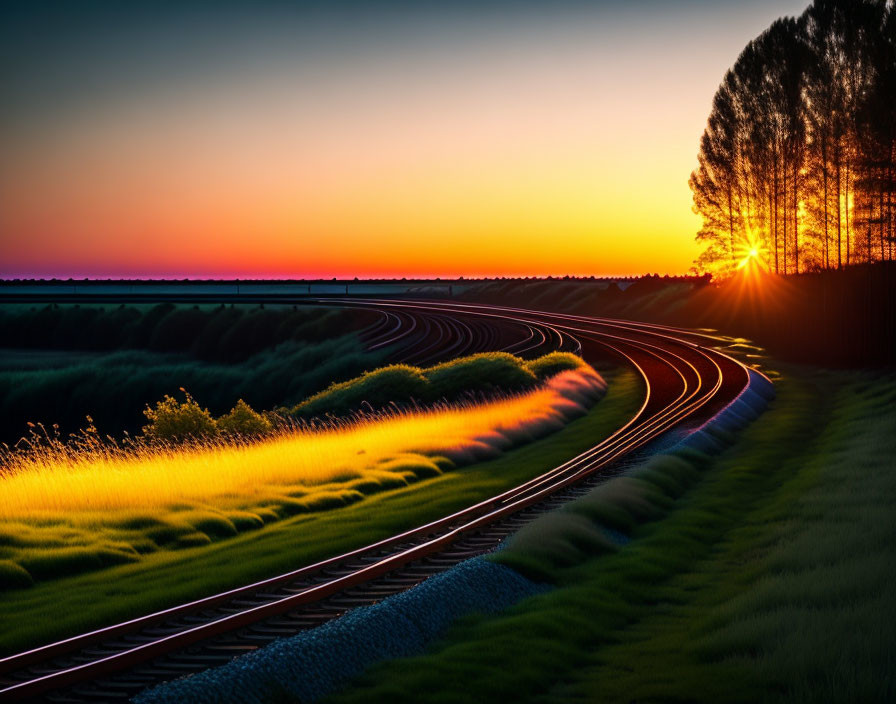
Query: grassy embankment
65	511
769	579
161	577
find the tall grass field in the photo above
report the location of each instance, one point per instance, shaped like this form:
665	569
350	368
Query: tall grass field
63	513
55	605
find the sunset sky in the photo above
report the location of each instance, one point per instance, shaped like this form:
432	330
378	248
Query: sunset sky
357	138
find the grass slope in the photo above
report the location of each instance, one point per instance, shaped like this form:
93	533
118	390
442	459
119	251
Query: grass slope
56	609
771	580
485	373
65	513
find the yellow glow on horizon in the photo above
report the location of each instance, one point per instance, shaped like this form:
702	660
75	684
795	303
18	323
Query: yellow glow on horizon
528	170
565	207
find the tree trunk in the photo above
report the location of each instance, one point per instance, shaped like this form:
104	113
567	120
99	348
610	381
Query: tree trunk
824	175
847	210
731	228
890	208
796	218
839	215
786	233
869	252
880	210
890	185
770	218
775	210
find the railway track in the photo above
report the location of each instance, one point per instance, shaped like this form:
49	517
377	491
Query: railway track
686	383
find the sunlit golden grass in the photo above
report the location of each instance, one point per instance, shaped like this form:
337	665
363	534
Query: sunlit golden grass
63	512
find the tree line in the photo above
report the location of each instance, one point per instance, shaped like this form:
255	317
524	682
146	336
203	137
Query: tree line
797	164
59	364
221	333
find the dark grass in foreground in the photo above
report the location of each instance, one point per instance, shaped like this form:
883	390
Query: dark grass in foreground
67	606
771	580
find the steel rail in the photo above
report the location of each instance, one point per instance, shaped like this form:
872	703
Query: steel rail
640	429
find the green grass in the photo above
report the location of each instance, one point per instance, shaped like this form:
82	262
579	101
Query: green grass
484	373
770	580
67	511
66	606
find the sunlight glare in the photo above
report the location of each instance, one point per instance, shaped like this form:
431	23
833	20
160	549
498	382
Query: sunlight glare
751	252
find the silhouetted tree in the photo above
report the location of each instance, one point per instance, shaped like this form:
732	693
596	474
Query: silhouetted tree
716	183
797	158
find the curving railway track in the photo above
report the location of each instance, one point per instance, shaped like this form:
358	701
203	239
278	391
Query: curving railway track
686	383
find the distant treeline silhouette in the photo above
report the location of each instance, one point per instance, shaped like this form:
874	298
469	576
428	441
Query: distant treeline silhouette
798	160
110	363
843	318
212	333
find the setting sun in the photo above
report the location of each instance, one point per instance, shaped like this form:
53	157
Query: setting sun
752	253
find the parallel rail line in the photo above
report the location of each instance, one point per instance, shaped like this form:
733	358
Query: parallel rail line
685	382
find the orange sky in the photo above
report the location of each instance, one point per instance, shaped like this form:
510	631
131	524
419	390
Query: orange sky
520	151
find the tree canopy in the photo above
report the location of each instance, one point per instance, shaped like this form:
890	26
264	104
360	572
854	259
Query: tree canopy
797	162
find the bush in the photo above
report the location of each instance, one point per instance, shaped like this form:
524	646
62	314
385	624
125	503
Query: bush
173	420
111	330
144	327
178	330
248	334
554	363
242	420
487	372
378	388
